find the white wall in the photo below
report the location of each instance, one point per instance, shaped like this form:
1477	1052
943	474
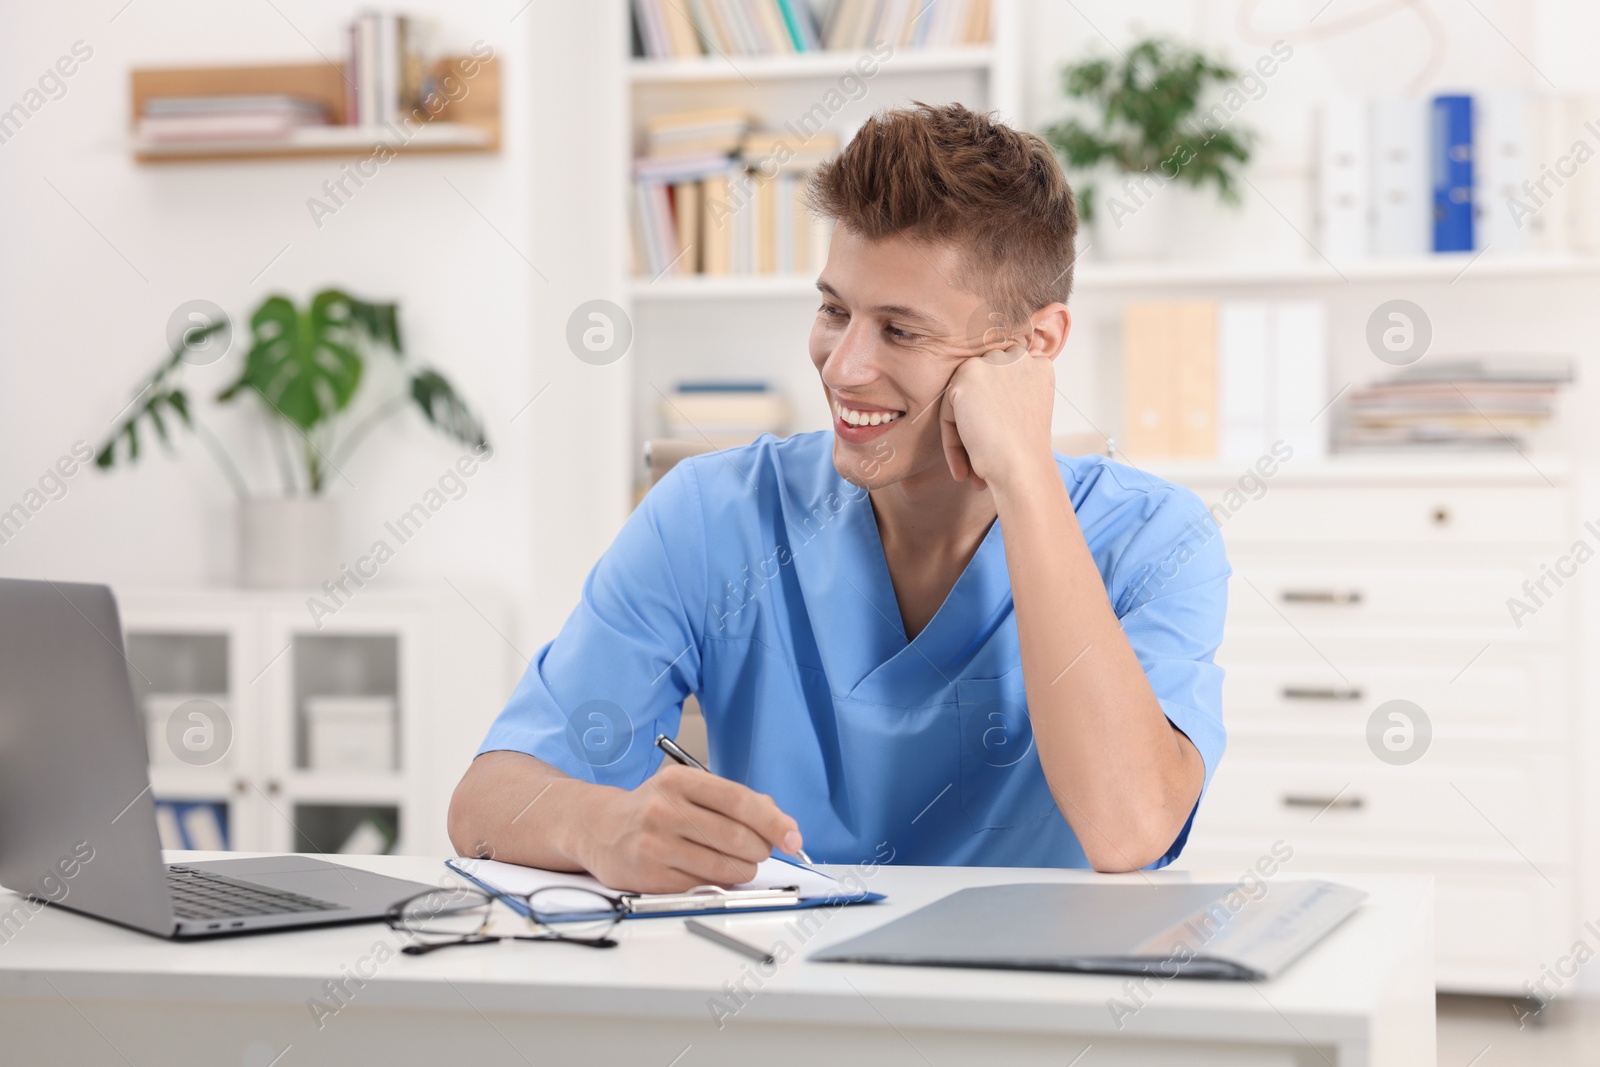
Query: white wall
97	251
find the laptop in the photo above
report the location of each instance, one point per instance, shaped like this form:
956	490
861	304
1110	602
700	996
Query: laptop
77	818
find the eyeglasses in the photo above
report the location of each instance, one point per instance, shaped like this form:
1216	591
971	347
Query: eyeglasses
442	918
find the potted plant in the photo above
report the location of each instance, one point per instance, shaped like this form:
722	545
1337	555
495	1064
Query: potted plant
303	372
1147	132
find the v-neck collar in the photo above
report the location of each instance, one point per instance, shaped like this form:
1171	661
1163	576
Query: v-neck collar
842	568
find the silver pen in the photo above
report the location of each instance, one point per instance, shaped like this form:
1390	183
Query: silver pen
670	747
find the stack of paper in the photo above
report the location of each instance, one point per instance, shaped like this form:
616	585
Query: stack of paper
1474	403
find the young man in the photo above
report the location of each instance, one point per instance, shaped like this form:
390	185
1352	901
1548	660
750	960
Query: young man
921	631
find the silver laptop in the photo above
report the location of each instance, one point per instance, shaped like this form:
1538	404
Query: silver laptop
77	819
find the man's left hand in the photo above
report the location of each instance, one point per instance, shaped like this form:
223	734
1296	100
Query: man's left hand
995	415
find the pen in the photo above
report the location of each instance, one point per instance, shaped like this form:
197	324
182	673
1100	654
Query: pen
744	948
670	747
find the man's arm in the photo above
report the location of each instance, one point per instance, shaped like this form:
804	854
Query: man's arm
1124	777
681	828
631	647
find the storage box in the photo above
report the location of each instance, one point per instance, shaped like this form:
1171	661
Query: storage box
350	733
158	709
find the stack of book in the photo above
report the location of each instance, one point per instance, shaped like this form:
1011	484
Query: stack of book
1499	168
1470	403
856	24
386	68
1230	380
724	414
201	119
682	29
715	196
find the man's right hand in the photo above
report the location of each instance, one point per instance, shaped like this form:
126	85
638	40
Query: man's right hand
682	828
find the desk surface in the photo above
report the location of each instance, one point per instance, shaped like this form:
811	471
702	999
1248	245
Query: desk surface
1377	963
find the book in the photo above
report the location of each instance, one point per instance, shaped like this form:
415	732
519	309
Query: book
716	253
1272	360
1401	207
1149	400
1343	179
1501	132
1244	361
686	200
725	413
1299	378
1195	379
1170	379
1451	151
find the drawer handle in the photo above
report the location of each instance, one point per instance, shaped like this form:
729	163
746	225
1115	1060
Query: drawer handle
1321	596
1294	692
1333	803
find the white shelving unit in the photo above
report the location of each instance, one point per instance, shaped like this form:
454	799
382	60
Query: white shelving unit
441	662
1521	768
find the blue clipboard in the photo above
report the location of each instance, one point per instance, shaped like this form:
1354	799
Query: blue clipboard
514	879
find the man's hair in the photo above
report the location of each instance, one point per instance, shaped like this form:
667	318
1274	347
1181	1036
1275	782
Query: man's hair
948	174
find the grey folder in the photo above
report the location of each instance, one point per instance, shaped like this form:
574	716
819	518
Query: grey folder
1172	929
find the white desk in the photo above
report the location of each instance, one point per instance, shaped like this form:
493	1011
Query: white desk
74	990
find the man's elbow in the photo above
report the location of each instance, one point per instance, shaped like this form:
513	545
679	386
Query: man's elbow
1134	847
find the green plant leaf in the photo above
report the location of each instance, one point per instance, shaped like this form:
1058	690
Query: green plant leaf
444	408
304	365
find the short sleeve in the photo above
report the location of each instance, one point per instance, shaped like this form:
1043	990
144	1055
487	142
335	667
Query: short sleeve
1172	613
593	700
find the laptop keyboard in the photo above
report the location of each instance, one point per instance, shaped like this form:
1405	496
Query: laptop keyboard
203	895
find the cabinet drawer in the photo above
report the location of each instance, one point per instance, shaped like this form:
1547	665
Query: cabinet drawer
1444	515
1342	597
1516	692
1495	925
1504	813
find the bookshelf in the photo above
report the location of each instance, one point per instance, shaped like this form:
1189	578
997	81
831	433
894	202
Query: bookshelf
700	326
470	123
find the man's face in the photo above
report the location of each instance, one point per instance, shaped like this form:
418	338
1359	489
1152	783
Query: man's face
891	330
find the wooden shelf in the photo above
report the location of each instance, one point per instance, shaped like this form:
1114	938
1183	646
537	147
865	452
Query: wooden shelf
469	123
807	65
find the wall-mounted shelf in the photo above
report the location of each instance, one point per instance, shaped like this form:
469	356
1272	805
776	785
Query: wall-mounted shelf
807	65
469	123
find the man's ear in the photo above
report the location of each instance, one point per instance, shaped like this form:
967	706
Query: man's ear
1051	324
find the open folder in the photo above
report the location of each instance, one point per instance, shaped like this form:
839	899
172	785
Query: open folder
1167	929
778	885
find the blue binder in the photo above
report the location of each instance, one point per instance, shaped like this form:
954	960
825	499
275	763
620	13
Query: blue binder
1452	173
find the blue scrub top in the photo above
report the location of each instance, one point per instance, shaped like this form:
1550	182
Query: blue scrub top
755	579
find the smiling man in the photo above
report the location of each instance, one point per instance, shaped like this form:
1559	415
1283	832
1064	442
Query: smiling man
921	631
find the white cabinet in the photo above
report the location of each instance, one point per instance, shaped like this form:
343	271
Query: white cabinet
240	672
1358	583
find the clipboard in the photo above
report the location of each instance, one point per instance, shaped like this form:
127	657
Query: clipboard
779	885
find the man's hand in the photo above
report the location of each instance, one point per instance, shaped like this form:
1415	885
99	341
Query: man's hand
995	415
683	828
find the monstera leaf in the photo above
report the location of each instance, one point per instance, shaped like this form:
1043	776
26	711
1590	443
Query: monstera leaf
443	407
304	364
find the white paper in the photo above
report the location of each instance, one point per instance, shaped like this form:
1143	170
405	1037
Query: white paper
513	878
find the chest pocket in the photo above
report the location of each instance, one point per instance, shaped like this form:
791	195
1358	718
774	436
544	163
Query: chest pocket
1002	781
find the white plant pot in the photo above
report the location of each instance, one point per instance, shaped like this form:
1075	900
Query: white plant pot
1134	226
288	543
